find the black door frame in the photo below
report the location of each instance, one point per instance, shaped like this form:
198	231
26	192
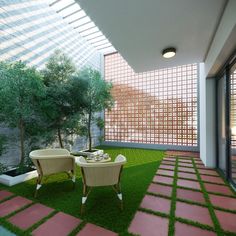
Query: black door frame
225	73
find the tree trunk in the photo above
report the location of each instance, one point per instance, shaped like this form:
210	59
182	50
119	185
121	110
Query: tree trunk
89	132
22	147
59	137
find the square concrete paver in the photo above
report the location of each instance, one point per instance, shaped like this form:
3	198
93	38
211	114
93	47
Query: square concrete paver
194	213
163	179
227	220
60	224
5	194
185	161
156	204
198	161
215	188
166	172
171	159
170	163
187	175
188	184
186	169
185	164
190	195
94	230
166	167
28	217
208	172
182	229
149	225
12	205
160	189
212	179
200	166
223	202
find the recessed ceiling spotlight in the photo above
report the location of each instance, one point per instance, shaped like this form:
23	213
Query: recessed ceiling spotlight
168	52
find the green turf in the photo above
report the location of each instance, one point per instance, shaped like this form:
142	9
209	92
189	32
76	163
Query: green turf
102	207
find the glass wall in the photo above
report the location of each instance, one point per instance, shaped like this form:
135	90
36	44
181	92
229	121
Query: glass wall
226	116
155	107
221	124
233	120
32	30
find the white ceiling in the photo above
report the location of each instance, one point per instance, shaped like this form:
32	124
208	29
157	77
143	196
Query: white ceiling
141	29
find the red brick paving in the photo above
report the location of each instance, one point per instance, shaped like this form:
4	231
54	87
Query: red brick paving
166	167
223	202
187	175
194	213
212	179
155	203
186	169
215	188
160	189
5	194
188	184
227	220
166	172
31	215
94	230
163	179
60	224
12	205
182	229
190	195
149	225
208	172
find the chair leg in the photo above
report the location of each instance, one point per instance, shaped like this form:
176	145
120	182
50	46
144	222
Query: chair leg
84	198
119	195
73	178
38	185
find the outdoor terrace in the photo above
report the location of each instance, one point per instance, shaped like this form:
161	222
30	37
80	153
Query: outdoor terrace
174	195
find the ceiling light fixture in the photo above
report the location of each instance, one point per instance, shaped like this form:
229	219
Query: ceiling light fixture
168	52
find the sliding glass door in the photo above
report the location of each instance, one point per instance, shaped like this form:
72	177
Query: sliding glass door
226	120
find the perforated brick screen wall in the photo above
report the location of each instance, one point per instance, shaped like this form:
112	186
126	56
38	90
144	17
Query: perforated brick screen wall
155	107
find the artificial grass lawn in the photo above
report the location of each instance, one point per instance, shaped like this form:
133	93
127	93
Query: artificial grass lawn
102	207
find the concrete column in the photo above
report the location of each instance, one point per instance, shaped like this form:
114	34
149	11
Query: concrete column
207	119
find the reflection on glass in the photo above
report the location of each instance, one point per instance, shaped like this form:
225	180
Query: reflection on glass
221	124
233	121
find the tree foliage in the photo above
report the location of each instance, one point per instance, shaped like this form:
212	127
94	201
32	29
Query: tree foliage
21	89
98	97
64	93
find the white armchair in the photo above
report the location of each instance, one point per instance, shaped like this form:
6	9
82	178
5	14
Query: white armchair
101	174
51	161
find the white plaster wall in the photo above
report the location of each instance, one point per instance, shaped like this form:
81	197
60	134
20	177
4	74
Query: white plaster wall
224	41
211	123
202	111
